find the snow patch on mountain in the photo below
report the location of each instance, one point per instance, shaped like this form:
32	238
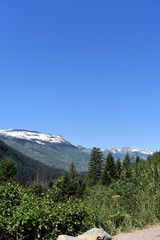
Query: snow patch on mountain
113	149
29	135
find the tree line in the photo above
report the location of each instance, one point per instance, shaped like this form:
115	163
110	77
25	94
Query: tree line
108	170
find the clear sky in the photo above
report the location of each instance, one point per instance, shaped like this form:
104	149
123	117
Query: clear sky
88	70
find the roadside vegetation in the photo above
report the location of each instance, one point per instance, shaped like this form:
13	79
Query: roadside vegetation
115	196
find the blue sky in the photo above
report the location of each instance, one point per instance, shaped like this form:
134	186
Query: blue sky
88	70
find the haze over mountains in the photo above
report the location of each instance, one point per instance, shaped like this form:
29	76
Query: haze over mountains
54	150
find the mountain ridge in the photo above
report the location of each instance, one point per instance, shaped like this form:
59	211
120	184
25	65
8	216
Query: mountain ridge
33	135
54	150
121	150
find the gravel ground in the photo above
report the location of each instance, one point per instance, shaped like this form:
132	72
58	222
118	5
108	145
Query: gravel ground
152	233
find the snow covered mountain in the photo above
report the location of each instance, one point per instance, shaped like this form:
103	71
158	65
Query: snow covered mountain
52	150
34	136
132	150
55	151
120	153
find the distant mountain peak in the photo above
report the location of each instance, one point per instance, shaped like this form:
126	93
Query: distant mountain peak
120	153
113	149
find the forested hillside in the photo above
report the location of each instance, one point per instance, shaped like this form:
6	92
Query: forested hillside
28	169
52	150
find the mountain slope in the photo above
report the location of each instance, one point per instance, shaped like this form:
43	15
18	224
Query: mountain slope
55	151
50	149
28	169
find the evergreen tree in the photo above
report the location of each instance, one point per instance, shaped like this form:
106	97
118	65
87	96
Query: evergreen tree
153	168
118	167
72	171
95	164
64	188
127	161
81	188
137	160
7	169
109	172
137	166
137	170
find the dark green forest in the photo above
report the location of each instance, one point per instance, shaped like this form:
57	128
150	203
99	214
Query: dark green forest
28	169
114	195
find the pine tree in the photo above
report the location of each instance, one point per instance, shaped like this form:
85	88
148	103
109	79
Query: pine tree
95	164
109	172
72	171
7	169
64	188
118	167
81	188
127	161
137	159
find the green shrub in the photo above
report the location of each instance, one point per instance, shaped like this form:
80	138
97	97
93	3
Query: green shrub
24	215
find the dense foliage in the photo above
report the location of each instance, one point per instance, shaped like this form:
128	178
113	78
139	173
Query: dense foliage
124	196
24	214
128	195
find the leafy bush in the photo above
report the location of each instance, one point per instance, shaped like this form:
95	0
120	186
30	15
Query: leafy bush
24	215
11	196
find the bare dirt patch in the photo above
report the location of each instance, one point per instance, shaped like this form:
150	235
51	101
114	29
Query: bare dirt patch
152	233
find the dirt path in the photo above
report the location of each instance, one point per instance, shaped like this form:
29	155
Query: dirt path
152	233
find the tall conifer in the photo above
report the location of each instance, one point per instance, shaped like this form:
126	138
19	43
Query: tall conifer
127	161
72	171
95	164
109	172
118	167
7	169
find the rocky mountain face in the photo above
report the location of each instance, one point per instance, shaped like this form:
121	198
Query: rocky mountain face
54	150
